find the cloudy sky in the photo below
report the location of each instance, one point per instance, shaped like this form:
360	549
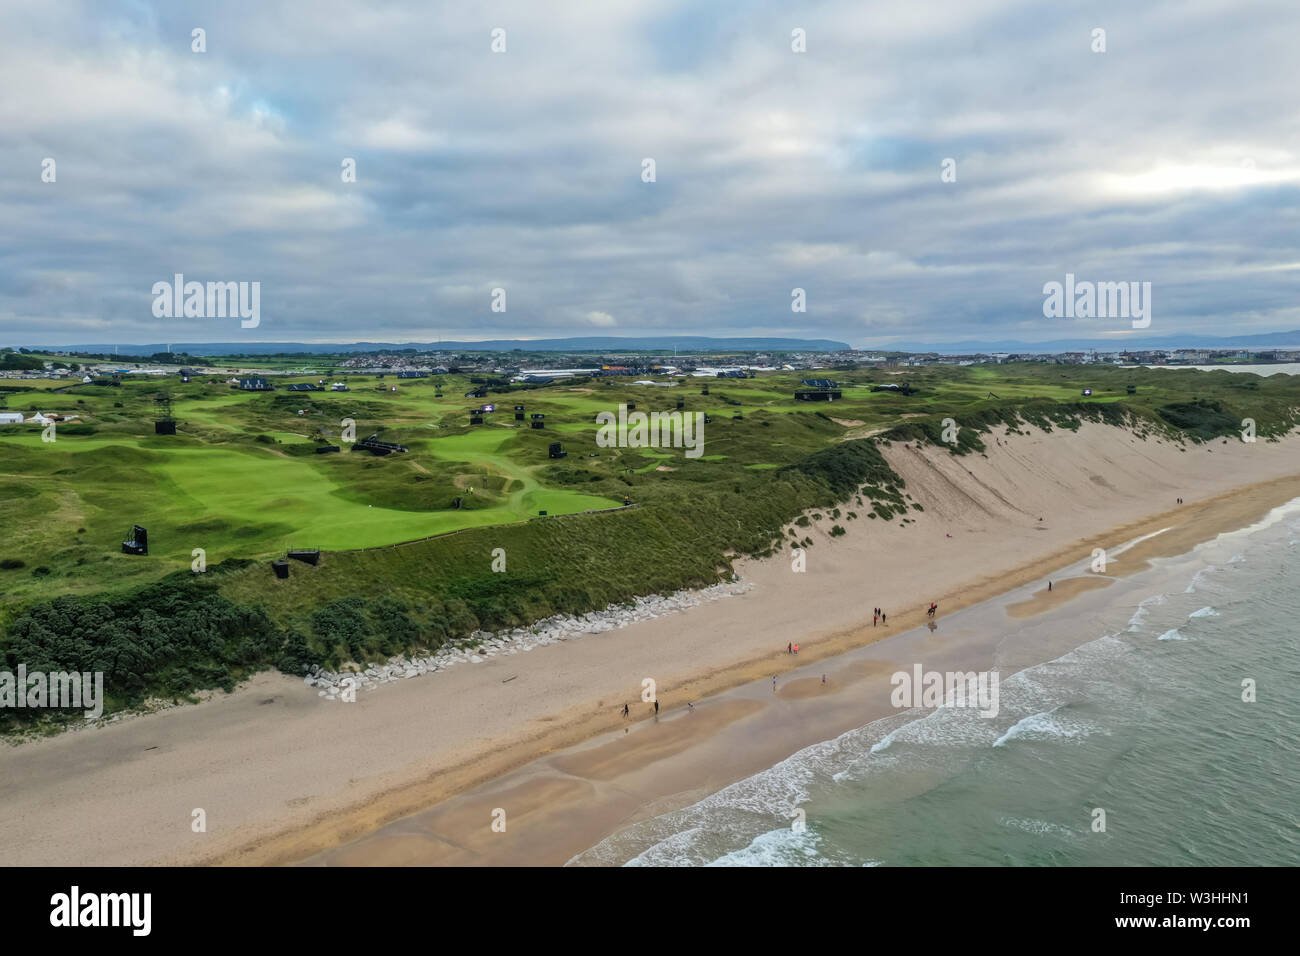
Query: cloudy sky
1171	158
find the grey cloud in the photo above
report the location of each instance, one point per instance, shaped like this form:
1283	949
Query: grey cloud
775	169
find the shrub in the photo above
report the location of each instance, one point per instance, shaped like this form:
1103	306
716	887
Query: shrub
1202	419
165	639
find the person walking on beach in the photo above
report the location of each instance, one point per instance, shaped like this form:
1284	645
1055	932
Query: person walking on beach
774	683
789	648
796	649
656	706
625	710
690	706
1049	586
823	680
884	619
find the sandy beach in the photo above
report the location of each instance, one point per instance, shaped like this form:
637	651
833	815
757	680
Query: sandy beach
284	776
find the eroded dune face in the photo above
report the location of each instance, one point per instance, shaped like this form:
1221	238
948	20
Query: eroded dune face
1060	474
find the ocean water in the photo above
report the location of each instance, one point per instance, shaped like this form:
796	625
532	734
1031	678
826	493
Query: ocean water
1281	368
1143	719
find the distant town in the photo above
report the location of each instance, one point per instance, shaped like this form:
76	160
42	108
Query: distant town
542	367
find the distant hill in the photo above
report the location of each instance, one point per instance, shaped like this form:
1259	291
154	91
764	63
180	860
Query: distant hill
1263	340
684	343
699	343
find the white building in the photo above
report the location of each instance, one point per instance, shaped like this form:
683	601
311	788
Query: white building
11	418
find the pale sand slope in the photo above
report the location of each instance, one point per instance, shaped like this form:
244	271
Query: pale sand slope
275	760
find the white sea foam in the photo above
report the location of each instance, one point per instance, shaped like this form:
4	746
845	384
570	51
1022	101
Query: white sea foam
1173	634
782	847
672	851
1204	612
1120	549
1047	725
883	743
1199	576
1140	615
1041	827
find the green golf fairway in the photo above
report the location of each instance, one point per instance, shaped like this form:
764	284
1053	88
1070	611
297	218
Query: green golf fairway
240	500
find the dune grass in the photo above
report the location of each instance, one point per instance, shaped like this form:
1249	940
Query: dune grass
241	481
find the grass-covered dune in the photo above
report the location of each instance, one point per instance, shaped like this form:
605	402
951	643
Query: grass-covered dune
403	568
194	631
